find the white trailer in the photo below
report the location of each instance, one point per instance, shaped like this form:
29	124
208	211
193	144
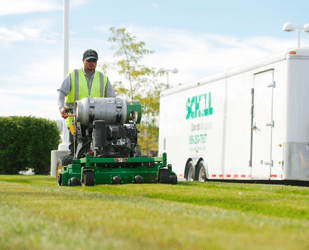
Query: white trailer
248	123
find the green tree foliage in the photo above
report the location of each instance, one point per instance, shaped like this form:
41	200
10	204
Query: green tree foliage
142	82
26	142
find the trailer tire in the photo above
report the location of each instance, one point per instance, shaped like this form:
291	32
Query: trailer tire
190	170
88	178
201	172
164	176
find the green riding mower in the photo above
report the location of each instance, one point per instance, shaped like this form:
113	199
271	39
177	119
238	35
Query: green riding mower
105	147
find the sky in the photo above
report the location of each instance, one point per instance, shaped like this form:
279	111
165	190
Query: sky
199	38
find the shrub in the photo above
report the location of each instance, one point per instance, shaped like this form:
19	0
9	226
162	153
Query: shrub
26	142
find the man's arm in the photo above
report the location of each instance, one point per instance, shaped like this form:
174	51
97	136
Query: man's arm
62	110
62	92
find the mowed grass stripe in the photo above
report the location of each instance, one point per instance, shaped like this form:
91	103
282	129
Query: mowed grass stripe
109	217
270	200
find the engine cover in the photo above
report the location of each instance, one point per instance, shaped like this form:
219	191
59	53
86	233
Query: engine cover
111	110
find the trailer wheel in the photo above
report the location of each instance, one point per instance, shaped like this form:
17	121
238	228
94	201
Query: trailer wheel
88	178
164	176
201	172
190	171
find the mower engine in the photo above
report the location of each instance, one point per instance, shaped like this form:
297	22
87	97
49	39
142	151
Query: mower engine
106	127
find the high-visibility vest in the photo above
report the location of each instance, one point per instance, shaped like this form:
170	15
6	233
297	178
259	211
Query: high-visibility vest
79	89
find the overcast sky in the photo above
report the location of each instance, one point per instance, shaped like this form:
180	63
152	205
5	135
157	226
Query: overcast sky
199	38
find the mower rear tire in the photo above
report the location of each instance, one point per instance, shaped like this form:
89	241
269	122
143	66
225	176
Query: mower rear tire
67	160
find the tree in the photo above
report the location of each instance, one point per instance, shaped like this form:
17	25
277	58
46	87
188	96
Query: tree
142	82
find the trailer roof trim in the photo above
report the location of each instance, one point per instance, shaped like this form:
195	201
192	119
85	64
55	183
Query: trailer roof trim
299	54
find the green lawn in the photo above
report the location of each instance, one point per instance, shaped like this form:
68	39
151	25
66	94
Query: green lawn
37	214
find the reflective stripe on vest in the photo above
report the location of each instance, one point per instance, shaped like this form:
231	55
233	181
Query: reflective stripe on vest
79	89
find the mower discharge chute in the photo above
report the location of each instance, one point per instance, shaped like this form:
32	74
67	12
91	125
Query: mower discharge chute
105	137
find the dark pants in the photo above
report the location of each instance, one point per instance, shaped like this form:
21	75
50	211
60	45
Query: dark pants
71	138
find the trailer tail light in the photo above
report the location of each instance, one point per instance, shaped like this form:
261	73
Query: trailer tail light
292	52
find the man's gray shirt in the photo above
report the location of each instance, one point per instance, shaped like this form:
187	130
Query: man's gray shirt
66	87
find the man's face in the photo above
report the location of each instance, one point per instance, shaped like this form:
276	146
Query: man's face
90	65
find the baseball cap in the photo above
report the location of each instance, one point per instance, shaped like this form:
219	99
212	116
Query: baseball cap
90	54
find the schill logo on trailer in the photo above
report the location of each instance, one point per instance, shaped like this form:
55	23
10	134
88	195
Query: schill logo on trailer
199	106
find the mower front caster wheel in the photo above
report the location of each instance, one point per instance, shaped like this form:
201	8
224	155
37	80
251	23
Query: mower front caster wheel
164	176
173	179
88	178
116	180
74	181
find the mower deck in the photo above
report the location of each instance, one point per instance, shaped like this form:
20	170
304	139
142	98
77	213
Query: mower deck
93	170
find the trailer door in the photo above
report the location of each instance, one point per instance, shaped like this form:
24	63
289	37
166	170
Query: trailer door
262	124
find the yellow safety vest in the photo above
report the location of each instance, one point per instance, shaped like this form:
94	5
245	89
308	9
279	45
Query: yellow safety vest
79	89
